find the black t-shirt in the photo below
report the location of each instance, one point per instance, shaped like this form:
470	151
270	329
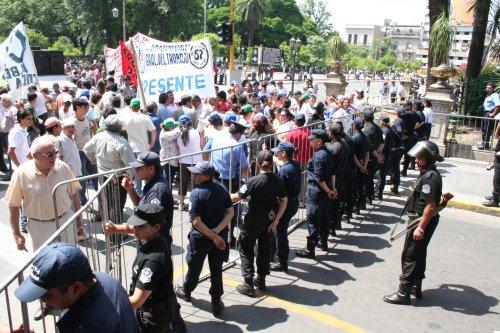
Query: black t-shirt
373	135
339	156
152	270
209	201
428	188
361	146
290	173
263	189
350	147
157	191
320	167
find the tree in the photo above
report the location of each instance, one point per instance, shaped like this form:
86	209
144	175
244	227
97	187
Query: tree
436	7
317	11
442	33
381	47
64	44
252	12
36	38
481	9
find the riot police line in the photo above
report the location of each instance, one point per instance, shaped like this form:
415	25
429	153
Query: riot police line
110	253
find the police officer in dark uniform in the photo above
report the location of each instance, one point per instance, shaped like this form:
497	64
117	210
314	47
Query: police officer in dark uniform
347	178
290	172
422	204
319	194
156	191
398	127
151	289
211	211
361	157
265	208
411	120
340	154
391	143
420	128
375	139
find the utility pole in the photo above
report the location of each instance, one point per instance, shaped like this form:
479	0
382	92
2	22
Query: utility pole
231	46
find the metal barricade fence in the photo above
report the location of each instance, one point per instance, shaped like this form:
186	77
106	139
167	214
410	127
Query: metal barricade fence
112	254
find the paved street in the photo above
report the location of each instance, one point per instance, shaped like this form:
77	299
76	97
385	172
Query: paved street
342	291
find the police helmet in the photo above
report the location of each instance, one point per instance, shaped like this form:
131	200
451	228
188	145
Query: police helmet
428	150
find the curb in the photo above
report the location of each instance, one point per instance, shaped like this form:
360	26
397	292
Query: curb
473	207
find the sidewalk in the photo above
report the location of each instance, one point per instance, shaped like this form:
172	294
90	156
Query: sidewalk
470	182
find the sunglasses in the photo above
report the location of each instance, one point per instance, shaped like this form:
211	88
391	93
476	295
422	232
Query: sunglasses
50	155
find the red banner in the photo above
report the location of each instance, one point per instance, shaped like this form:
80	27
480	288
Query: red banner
128	65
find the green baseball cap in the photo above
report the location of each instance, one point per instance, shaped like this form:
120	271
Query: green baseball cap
135	103
305	96
247	108
170	123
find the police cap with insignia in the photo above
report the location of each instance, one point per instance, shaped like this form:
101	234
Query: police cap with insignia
147	213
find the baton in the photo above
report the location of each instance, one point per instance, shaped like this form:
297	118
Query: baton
413	224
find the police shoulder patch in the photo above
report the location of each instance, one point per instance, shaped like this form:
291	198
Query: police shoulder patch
146	275
156	201
426	189
243	189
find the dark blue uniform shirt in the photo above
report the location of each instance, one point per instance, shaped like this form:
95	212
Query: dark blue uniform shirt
105	307
320	167
209	201
361	146
157	191
290	173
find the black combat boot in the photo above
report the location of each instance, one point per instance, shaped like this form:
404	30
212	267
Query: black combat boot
279	267
217	306
181	293
260	282
306	253
416	289
493	202
402	297
246	288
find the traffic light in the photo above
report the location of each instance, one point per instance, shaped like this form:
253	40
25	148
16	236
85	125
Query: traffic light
225	33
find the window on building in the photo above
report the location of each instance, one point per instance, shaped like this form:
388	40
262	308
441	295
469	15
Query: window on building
460	58
424	56
365	39
349	39
355	39
466	33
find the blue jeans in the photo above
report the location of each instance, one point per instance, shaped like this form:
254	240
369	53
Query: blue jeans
88	169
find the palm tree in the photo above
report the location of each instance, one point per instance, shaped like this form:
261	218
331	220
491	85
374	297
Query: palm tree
481	10
436	7
441	38
252	12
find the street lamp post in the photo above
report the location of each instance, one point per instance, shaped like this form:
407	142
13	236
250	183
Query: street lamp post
294	47
116	12
241	51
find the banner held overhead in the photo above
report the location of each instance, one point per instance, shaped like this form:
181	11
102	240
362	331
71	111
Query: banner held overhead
184	68
16	62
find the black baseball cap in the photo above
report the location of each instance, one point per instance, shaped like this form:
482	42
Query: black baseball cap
147	213
147	158
236	127
320	134
56	265
204	167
